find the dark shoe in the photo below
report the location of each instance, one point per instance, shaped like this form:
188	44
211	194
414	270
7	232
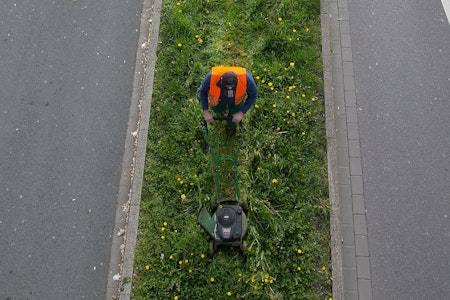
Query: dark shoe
231	130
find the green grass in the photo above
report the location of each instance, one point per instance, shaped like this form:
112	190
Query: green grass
282	167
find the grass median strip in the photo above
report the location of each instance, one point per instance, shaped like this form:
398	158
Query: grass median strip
281	169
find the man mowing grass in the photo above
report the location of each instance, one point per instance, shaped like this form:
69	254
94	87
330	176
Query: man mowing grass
226	87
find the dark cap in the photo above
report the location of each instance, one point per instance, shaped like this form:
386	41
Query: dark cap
229	79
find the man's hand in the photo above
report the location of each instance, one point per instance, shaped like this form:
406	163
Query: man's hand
237	117
208	116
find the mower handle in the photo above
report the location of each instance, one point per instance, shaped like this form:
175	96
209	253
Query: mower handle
225	118
222	118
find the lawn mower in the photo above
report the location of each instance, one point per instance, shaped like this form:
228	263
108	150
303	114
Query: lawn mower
227	226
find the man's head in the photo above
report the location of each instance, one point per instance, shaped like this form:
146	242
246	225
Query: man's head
229	80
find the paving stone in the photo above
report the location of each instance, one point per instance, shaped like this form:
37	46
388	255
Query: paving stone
363	267
361	245
360	224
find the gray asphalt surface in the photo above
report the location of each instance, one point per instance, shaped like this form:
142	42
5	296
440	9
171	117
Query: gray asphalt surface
401	52
65	88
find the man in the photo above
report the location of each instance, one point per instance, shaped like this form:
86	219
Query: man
226	87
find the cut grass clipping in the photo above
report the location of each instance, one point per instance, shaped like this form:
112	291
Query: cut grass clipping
282	168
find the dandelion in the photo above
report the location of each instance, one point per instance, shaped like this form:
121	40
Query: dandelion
270	84
229	294
324	268
274	180
147	267
288	97
257	77
294	30
274	105
292	63
280	19
171	257
190	271
163	237
163	228
306	29
179	44
178	3
202	256
186	261
175	298
299	251
303	95
293	114
299	269
256	106
180	262
212	279
313	99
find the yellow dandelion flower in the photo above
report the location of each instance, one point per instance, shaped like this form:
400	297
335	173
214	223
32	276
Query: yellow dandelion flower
147	267
293	114
274	105
274	180
257	77
180	262
190	271
163	228
294	30
186	261
175	298
280	19
288	97
202	256
292	63
262	81
270	84
229	294
212	279
256	106
307	29
303	95
303	133
178	3
299	269
163	237
299	251
271	281
171	257
323	268
179	44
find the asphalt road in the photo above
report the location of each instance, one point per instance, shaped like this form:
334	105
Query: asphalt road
65	87
401	52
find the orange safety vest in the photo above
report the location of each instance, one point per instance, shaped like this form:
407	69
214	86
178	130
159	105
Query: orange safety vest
214	90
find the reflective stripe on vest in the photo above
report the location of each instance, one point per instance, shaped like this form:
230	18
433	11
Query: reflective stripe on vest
214	90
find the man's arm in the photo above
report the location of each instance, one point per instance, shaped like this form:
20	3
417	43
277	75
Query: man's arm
252	93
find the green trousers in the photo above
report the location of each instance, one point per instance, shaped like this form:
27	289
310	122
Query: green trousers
232	109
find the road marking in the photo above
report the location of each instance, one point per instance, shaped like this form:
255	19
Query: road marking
446	4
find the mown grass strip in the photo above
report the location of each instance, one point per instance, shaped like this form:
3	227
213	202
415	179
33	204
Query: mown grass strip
282	167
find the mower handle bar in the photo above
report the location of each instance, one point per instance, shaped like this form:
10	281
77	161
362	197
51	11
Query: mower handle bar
224	118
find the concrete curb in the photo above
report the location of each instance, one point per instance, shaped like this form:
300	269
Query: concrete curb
335	227
127	212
